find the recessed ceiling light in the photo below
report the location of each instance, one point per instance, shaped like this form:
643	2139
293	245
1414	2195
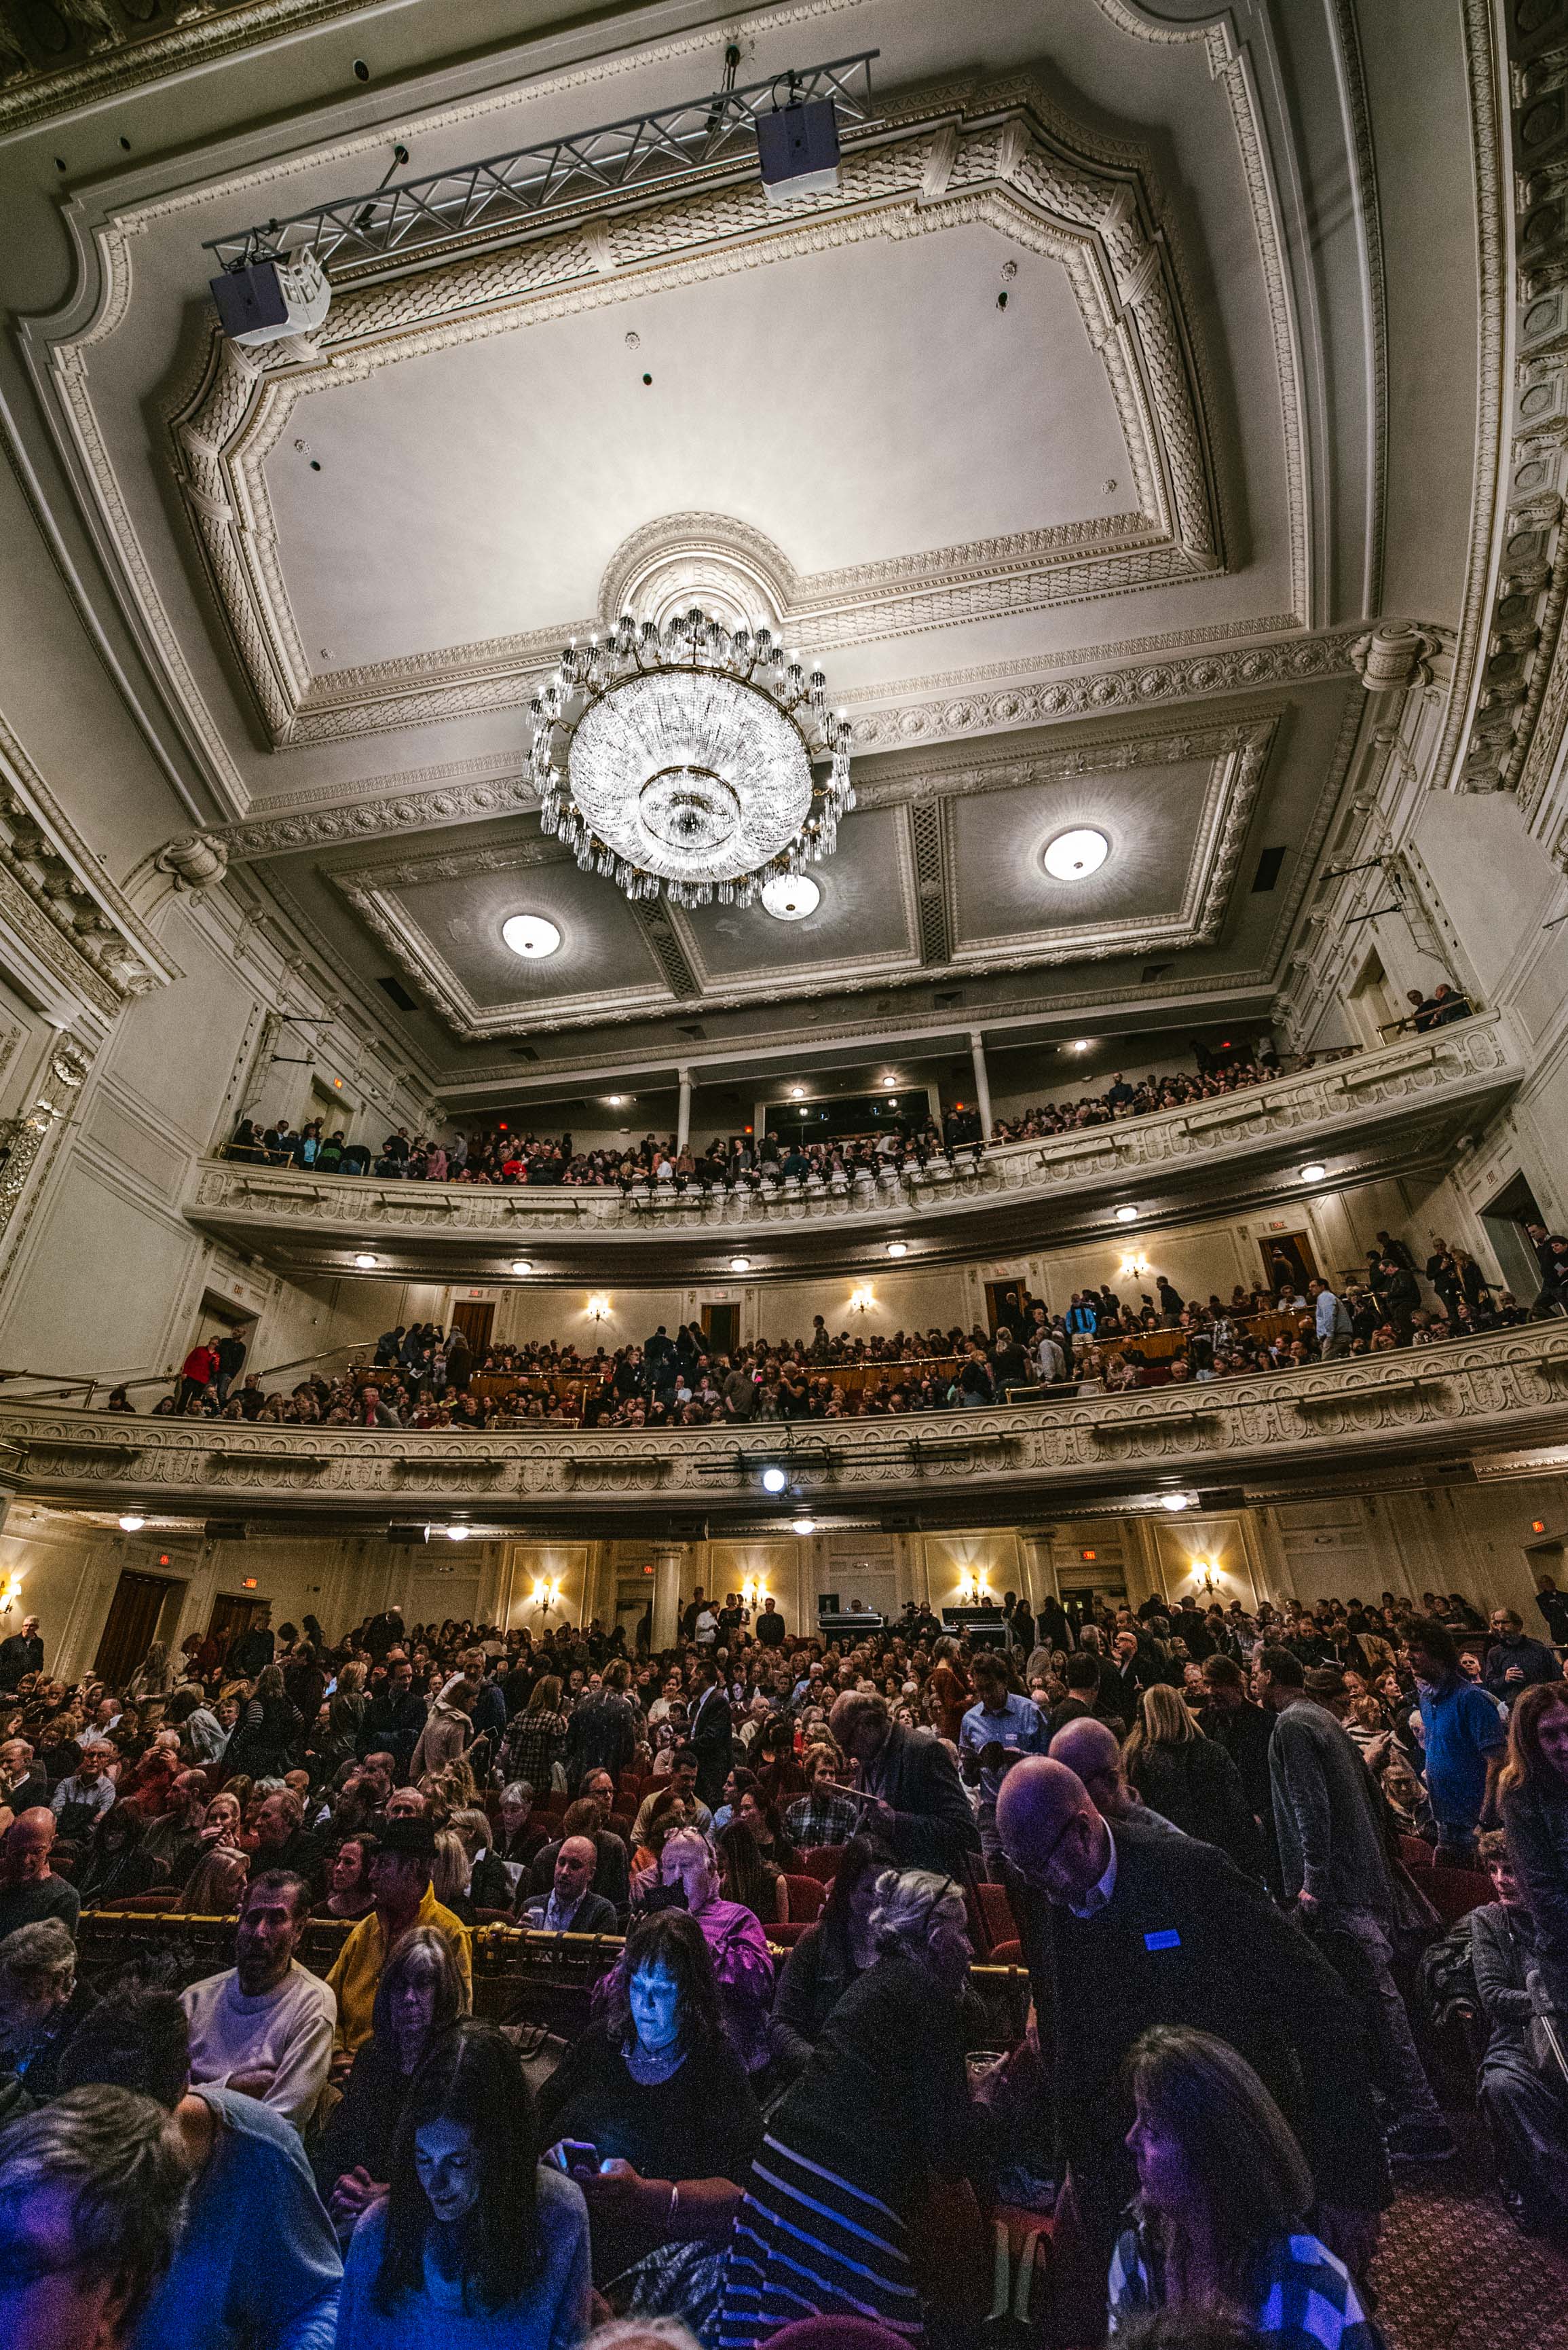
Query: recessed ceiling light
1081	1046
897	1248
1127	1215
1073	856
458	1534
1314	1171
803	1525
791	897
522	1264
530	935
740	1264
797	1093
774	1481
889	1083
363	1263
614	1101
130	1523
1176	1500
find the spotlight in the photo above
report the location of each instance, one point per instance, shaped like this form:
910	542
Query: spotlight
797	1093
1127	1215
130	1523
267	299
897	1248
889	1083
803	1525
522	1264
1314	1171
363	1263
774	1481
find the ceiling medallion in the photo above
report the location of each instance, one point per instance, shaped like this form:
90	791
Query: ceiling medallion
682	760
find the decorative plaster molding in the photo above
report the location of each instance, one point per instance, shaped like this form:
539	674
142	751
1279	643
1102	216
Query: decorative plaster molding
1444	1070
1508	1387
1011	169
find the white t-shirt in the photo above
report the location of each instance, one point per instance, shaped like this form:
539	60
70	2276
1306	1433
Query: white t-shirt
288	2030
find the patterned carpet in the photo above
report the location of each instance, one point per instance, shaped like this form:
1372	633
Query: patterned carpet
1455	2274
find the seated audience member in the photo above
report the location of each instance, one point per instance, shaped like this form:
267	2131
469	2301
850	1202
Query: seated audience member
81	1800
258	2266
283	1841
420	1995
830	1955
1533	1792
41	2004
572	1906
1190	1780
401	1881
1224	2192
881	2109
477	2243
216	1886
746	1877
115	1864
29	1889
92	2199
919	1805
998	1725
519	1839
174	1840
741	1963
1525	2103
612	1868
265	2026
1089	1894
658	2093
757	1810
349	1892
670	1812
825	1814
23	1781
682	1781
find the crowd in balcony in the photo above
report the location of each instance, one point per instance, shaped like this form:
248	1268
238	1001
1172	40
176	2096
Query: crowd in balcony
780	1853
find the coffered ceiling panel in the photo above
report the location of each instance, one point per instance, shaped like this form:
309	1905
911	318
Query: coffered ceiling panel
866	922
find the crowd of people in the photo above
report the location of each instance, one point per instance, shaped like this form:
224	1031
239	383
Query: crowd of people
1197	1816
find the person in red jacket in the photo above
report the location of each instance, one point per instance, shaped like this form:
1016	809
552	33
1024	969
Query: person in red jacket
198	1371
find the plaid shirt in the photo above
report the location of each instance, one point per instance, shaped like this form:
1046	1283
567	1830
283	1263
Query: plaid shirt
533	1743
820	1819
1305	2299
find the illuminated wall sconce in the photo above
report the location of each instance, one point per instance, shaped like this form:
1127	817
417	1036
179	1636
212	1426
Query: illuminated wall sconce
754	1591
974	1587
862	1299
547	1593
1204	1576
1134	1267
598	1308
10	1595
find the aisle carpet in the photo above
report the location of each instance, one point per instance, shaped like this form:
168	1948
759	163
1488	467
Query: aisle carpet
1453	2273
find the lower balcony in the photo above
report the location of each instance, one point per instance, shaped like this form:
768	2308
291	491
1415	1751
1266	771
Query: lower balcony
1457	1405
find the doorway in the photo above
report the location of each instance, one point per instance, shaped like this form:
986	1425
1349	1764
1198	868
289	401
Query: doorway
1503	1221
1372	1003
232	1616
634	1613
1287	1256
1007	1300
475	1319
722	1329
132	1625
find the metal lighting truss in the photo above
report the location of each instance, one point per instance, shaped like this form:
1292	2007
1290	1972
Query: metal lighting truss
508	190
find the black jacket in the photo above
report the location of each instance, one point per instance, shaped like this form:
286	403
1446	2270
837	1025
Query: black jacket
933	1825
22	1654
711	1734
1186	1938
1197	1787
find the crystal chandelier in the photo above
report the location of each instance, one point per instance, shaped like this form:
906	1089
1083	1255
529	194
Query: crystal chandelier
683	760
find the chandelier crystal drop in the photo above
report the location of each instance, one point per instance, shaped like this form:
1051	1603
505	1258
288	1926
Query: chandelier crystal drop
690	760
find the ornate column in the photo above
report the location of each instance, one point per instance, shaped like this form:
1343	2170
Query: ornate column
683	1115
667	1565
982	1082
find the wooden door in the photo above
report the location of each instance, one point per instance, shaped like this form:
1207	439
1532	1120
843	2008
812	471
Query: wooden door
230	1617
474	1319
133	1614
1007	1300
722	1329
1296	1250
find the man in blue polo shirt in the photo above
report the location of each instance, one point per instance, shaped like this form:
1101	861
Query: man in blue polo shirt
992	1733
1465	1739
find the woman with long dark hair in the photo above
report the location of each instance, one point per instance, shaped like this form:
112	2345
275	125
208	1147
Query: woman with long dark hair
477	2244
829	1956
420	1995
1220	2224
1533	1791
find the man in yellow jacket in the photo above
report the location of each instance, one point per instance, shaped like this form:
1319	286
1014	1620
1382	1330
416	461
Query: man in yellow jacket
401	1881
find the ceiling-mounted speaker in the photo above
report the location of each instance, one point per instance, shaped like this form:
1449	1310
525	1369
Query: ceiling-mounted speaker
224	1530
798	151
269	300
407	1534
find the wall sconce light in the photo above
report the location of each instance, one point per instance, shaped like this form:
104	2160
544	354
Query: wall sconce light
1134	1267
862	1299
8	1598
974	1587
754	1591
547	1593
598	1309
1203	1575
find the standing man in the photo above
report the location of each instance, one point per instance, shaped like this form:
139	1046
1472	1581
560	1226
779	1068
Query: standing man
1127	1929
769	1628
22	1654
264	2027
231	1353
1514	1660
711	1731
1465	1741
1336	1872
919	1802
997	1729
1332	1322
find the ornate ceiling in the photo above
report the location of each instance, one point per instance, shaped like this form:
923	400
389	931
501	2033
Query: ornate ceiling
1059	434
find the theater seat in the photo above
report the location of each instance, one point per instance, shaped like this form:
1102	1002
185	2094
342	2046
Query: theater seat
1005	1954
1455	1892
786	1937
996	1913
166	1896
628	1787
807	1897
821	1860
1415	1852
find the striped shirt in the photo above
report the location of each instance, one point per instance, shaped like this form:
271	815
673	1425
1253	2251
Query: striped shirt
1304	2298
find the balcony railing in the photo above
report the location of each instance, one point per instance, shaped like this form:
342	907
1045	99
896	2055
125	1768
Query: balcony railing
1307	1110
1501	1391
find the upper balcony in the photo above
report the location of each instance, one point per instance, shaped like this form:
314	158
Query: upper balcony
1364	1116
1466	1407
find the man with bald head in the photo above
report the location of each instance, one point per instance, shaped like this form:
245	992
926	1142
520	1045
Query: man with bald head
1124	1926
29	1890
573	1906
1093	1755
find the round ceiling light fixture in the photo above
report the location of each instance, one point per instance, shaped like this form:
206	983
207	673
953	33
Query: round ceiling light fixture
740	1264
774	1481
897	1248
1176	1500
797	1093
682	759
364	1261
1127	1215
614	1101
458	1534
1314	1171
531	936
792	897
130	1523
803	1525
888	1084
1073	856
522	1264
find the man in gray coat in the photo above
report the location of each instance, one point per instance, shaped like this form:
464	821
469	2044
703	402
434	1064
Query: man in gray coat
1336	1871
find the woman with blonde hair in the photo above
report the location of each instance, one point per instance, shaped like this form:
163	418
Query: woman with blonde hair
1220	2225
1190	1780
